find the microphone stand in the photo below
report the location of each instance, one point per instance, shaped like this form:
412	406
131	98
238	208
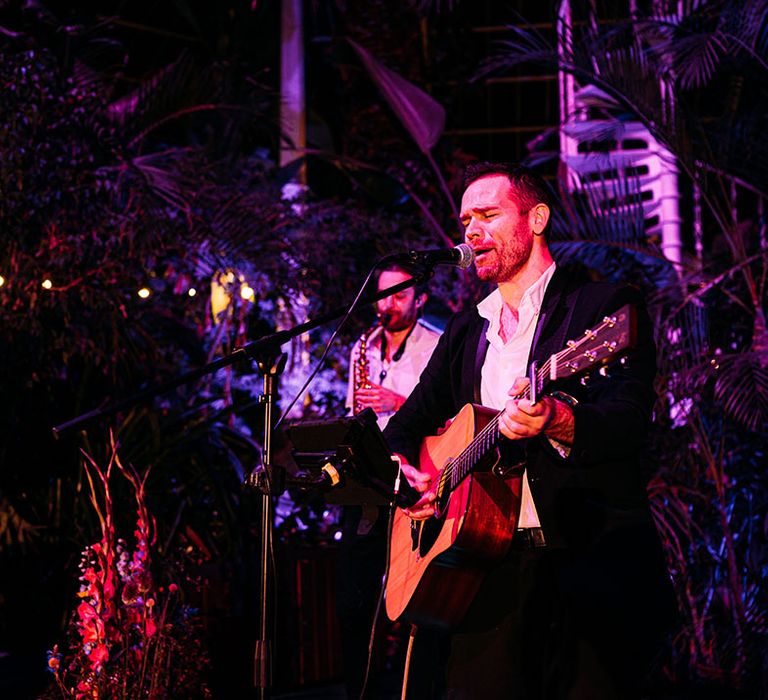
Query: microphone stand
271	362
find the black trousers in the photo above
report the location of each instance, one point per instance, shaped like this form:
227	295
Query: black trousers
562	624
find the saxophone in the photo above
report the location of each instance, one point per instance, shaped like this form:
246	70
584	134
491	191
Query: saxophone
362	378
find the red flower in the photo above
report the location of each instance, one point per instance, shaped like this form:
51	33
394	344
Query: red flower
91	625
98	656
150	627
109	588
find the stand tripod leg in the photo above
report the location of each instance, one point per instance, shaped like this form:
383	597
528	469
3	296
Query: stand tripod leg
411	638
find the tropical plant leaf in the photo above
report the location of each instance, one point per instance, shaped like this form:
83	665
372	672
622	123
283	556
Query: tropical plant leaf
742	388
685	335
420	114
164	174
525	46
179	84
686	47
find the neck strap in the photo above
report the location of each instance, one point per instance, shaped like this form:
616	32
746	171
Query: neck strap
399	352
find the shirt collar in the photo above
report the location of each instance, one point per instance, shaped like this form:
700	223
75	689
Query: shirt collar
490	307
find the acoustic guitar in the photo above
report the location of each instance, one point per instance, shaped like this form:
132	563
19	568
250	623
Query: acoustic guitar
436	565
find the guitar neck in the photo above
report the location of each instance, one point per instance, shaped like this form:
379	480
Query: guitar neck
486	440
599	344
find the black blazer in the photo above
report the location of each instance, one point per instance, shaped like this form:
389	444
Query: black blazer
597	488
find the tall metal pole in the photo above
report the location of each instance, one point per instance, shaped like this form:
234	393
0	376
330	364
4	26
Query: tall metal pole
292	91
270	367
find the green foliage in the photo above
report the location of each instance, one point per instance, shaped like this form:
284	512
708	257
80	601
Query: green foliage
696	77
105	189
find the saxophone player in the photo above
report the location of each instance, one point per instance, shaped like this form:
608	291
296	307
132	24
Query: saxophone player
385	365
386	362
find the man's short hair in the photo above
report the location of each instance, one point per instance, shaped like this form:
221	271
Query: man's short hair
528	187
421	288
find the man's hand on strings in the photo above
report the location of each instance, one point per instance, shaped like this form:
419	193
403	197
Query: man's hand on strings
522	419
425	507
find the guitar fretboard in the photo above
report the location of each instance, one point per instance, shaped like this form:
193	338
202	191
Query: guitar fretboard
482	444
598	343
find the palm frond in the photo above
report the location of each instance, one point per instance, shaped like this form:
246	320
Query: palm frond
526	46
421	115
165	175
745	25
688	47
618	262
696	59
184	89
742	388
719	146
684	335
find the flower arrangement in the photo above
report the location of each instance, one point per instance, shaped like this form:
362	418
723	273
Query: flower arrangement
130	638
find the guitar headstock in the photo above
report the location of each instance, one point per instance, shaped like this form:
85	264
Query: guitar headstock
600	344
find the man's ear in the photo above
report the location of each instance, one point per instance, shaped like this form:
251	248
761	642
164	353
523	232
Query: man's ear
538	218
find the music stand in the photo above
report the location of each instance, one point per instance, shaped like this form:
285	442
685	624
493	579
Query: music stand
353	448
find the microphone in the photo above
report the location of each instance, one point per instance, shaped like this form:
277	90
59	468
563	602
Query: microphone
462	256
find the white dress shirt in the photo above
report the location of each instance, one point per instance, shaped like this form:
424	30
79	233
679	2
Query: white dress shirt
504	362
402	375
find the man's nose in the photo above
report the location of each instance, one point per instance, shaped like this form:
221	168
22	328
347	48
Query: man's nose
472	231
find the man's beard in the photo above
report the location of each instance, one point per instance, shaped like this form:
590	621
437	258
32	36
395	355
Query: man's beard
509	261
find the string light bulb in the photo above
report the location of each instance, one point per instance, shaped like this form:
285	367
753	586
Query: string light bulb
144	292
47	284
191	291
247	292
2	280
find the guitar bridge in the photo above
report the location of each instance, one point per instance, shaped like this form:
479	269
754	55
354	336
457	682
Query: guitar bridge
504	470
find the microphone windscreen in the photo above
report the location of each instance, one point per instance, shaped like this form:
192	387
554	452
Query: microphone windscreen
466	256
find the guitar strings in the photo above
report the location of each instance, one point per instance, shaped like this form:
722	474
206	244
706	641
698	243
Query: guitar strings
461	465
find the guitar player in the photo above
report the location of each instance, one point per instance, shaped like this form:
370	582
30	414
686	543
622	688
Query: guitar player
580	604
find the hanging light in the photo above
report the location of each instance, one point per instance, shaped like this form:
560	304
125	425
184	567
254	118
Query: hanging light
47	284
144	292
247	292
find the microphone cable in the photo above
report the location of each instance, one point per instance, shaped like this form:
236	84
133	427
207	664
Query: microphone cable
382	590
330	340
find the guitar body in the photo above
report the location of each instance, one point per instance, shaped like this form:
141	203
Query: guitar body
436	566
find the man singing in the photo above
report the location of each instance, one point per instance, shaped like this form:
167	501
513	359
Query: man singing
579	605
